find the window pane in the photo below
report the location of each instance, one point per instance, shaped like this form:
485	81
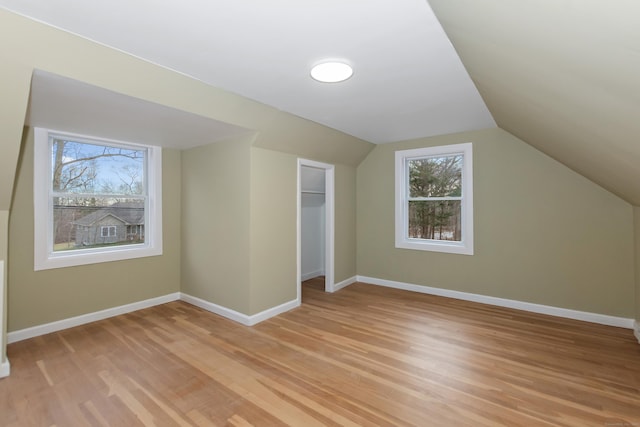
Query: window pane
87	168
435	220
91	222
435	176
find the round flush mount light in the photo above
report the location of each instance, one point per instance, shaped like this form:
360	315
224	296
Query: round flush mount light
331	72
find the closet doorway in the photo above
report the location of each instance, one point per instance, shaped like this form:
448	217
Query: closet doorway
315	223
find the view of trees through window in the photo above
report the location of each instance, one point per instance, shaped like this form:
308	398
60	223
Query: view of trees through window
435	195
98	194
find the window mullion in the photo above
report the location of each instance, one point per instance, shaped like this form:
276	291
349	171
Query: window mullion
75	225
433	199
438	223
98	195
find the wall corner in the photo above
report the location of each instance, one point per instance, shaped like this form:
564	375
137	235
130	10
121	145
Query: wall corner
4	362
636	233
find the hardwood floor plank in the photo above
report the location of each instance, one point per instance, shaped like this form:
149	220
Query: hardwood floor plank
364	356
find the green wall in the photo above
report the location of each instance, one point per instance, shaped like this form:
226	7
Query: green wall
215	223
15	81
543	234
310	140
4	233
636	217
29	45
239	225
345	223
273	228
38	297
575	249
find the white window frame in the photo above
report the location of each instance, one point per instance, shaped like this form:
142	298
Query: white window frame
44	256
108	228
402	240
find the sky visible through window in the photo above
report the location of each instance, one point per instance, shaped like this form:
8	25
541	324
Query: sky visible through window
98	194
79	167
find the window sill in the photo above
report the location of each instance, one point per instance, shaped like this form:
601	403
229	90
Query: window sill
435	246
77	258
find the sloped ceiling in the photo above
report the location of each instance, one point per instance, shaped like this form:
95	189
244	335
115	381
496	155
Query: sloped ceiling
562	75
408	81
65	104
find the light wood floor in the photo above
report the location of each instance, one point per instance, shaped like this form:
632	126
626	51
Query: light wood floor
363	356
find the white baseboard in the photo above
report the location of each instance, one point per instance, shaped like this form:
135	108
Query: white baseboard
272	312
345	283
5	369
59	325
502	302
311	275
237	316
250	320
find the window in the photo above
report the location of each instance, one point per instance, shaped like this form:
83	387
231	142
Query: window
95	200
108	231
434	199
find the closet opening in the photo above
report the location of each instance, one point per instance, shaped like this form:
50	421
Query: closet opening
315	225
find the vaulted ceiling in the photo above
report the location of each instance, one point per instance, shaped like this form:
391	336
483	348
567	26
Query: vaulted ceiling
408	82
562	75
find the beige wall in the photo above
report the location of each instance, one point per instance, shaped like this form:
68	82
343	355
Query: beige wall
4	232
543	234
14	87
15	83
38	297
215	223
239	225
252	267
273	228
309	140
636	217
28	45
345	222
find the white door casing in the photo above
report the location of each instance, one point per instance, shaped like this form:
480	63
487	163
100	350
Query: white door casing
329	223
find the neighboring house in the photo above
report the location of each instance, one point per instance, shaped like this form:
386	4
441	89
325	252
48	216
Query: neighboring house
121	222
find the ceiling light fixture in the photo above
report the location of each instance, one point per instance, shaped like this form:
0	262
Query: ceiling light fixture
331	72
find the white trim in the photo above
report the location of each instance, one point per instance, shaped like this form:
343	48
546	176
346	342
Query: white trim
329	227
345	283
237	316
272	312
329	183
215	308
402	241
311	275
59	325
5	369
44	258
602	319
636	330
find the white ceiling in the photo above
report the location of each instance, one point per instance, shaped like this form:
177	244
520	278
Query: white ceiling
408	81
68	105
